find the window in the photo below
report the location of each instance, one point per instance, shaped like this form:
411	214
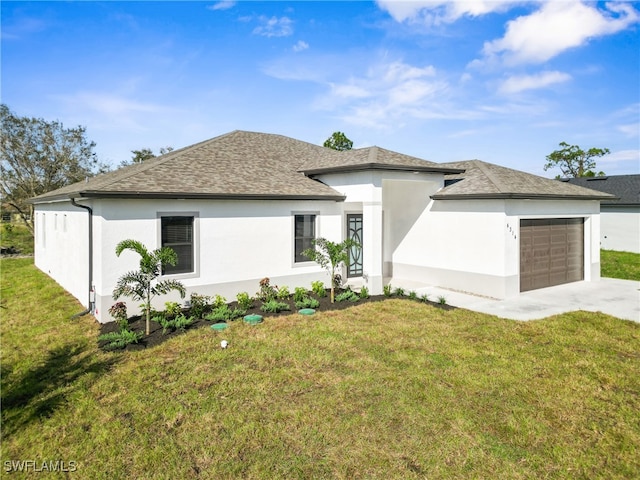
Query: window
304	234
177	233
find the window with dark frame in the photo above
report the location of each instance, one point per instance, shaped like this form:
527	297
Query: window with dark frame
304	234
177	233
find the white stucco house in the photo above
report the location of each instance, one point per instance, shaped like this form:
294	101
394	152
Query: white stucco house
243	206
619	216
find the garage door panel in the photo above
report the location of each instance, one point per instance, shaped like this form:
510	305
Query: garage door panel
551	252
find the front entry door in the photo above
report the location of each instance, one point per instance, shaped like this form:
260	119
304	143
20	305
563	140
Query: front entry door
354	232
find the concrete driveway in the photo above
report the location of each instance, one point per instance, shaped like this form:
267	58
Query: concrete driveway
620	298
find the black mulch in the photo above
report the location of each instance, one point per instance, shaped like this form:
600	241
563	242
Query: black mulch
156	337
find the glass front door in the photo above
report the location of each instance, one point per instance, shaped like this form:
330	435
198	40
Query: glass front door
354	232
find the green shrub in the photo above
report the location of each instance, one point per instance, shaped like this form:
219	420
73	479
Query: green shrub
218	301
387	290
245	302
283	293
318	288
399	292
180	322
152	311
347	295
364	292
413	295
224	313
273	306
442	300
119	339
424	298
200	305
307	302
299	294
172	309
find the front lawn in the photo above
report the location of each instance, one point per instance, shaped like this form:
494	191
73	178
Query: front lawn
394	389
624	265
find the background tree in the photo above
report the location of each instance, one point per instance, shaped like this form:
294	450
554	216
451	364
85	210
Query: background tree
140	156
38	156
329	255
575	162
143	284
338	141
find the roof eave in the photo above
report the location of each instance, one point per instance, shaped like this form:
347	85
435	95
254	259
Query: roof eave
188	196
614	204
379	166
514	196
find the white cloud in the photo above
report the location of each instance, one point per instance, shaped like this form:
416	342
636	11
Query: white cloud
434	12
622	156
389	94
300	46
274	27
556	27
350	91
520	83
630	129
110	109
223	5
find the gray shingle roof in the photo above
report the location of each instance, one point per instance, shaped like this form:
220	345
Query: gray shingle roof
235	165
625	187
370	157
250	165
486	180
239	164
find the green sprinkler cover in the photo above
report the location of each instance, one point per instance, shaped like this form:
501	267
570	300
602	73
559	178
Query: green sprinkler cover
253	319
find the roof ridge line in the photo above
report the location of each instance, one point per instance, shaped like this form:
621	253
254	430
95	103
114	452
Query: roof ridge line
373	154
496	183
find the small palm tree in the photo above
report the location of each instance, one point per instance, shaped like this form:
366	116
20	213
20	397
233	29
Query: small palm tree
139	285
329	255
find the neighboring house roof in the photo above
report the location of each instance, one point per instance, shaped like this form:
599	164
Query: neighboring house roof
625	187
239	164
482	180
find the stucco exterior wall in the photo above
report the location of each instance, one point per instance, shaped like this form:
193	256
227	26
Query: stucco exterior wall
467	245
473	245
61	246
620	228
389	202
236	244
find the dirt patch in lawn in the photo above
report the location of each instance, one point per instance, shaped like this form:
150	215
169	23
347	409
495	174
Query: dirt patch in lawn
156	335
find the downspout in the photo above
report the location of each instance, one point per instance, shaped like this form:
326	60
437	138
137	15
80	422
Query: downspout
91	301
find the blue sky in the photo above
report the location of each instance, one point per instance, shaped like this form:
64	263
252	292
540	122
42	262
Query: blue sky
500	81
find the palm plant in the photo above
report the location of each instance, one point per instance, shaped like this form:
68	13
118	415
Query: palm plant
329	255
143	284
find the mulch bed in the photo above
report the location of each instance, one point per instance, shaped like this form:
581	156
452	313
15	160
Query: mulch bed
156	337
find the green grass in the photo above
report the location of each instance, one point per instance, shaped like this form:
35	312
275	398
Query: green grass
395	389
624	265
18	236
